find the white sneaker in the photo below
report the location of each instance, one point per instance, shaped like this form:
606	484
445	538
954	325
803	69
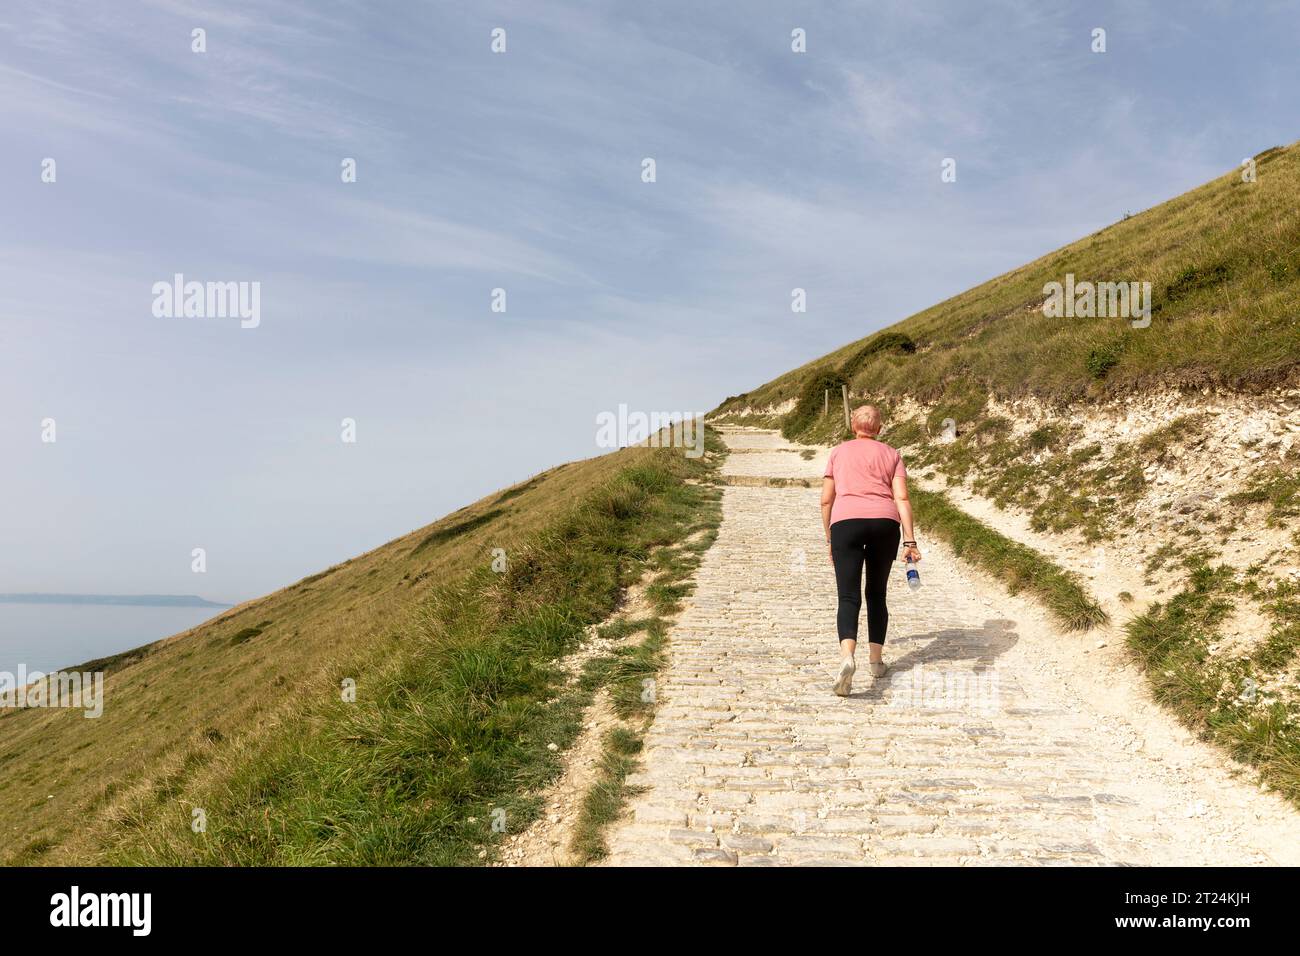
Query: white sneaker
878	668
844	683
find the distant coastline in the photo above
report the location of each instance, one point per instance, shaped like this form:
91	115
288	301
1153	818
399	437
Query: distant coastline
126	600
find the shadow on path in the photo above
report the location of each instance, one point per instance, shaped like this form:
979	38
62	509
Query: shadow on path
978	647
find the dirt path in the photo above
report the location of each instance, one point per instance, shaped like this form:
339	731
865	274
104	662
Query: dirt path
548	840
987	742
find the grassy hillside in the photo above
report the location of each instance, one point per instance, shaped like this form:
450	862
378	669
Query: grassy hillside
1224	265
237	715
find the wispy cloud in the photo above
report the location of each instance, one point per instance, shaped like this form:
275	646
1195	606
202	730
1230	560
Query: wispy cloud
776	170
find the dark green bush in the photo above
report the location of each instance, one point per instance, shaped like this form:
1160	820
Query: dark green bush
1194	278
878	344
1273	152
247	634
456	530
1105	357
811	402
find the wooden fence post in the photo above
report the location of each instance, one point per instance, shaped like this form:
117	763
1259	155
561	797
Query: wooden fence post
847	422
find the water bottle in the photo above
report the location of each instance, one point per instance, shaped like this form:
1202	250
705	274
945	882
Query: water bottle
913	576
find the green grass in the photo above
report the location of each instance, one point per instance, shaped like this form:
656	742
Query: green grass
1279	488
821	389
193	712
880	344
1060	484
1104	357
1224	270
441	535
248	633
604	801
1017	566
628	674
454	733
1220	697
626	670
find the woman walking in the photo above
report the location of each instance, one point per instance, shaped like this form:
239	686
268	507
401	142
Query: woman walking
865	511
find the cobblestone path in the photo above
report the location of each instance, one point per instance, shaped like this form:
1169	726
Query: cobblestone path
968	751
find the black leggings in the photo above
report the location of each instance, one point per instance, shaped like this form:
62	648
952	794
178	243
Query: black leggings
855	542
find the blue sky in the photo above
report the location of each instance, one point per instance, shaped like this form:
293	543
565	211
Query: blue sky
519	171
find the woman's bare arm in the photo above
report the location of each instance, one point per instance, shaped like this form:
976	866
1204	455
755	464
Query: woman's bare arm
905	514
828	501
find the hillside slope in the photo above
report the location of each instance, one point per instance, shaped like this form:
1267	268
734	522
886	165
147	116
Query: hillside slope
190	720
1158	462
1223	261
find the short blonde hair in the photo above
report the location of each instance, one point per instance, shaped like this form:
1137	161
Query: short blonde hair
866	420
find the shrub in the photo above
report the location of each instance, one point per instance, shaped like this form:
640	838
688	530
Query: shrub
877	345
811	402
1273	152
247	634
1105	357
963	400
1194	278
456	530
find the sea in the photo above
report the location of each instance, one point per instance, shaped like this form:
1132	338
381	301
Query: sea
48	637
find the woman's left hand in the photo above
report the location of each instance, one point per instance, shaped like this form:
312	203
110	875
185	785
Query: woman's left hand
911	553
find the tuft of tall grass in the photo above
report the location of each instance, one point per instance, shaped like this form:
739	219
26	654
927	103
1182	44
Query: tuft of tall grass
604	801
1020	567
1222	698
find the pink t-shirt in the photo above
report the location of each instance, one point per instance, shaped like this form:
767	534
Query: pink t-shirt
864	471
